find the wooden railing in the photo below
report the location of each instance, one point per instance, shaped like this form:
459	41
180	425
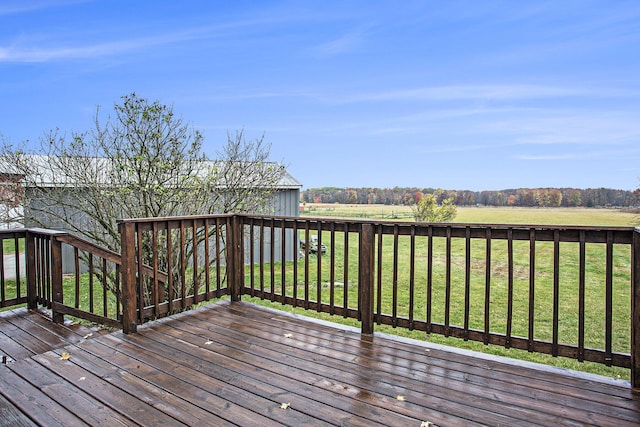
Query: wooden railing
541	289
85	284
182	263
565	291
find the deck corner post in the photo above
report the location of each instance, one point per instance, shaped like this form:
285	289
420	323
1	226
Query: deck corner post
56	280
128	253
235	274
30	253
365	277
635	310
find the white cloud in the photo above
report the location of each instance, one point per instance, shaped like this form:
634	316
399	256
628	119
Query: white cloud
488	92
10	7
344	44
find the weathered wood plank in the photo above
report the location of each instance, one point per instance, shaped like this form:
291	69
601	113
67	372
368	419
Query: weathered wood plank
105	394
486	379
236	363
10	416
74	400
360	371
204	374
301	378
30	400
135	378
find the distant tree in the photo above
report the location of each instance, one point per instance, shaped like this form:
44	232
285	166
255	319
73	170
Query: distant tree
428	210
418	196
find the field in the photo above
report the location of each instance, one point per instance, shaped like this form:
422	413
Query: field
488	215
483	215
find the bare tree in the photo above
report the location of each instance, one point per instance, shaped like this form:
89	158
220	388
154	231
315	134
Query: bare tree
144	161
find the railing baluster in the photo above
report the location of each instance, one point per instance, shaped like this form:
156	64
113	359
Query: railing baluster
46	251
319	268
306	265
332	268
76	263
429	277
272	259
283	260
141	290
447	304
487	288
170	283
412	272
379	277
195	247
345	295
104	288
296	257
32	290
154	248
183	267
3	296
509	286
207	259
56	280
609	301
467	280
127	239
581	295
261	256
365	277
16	246
395	278
219	255
635	310
556	292
532	289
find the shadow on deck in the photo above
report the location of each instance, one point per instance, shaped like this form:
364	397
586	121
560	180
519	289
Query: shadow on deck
240	364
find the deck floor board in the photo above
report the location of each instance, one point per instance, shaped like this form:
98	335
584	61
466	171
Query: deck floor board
237	364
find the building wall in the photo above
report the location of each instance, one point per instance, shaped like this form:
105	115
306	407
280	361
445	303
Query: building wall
286	203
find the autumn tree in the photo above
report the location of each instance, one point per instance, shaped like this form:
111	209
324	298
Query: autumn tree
428	210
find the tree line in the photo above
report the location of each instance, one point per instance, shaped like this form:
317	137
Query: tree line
528	197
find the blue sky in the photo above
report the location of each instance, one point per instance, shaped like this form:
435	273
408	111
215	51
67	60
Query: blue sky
476	95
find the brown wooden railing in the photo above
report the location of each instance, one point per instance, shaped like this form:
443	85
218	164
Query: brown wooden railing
564	291
86	285
181	263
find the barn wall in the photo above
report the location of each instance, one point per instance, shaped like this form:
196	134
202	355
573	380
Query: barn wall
286	203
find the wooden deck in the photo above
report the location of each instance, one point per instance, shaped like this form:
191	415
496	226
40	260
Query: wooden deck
239	364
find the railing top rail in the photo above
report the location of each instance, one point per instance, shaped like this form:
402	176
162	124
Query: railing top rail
445	224
172	218
452	225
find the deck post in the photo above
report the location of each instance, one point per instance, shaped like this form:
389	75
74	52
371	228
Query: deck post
30	253
635	310
56	279
365	277
129	270
235	273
